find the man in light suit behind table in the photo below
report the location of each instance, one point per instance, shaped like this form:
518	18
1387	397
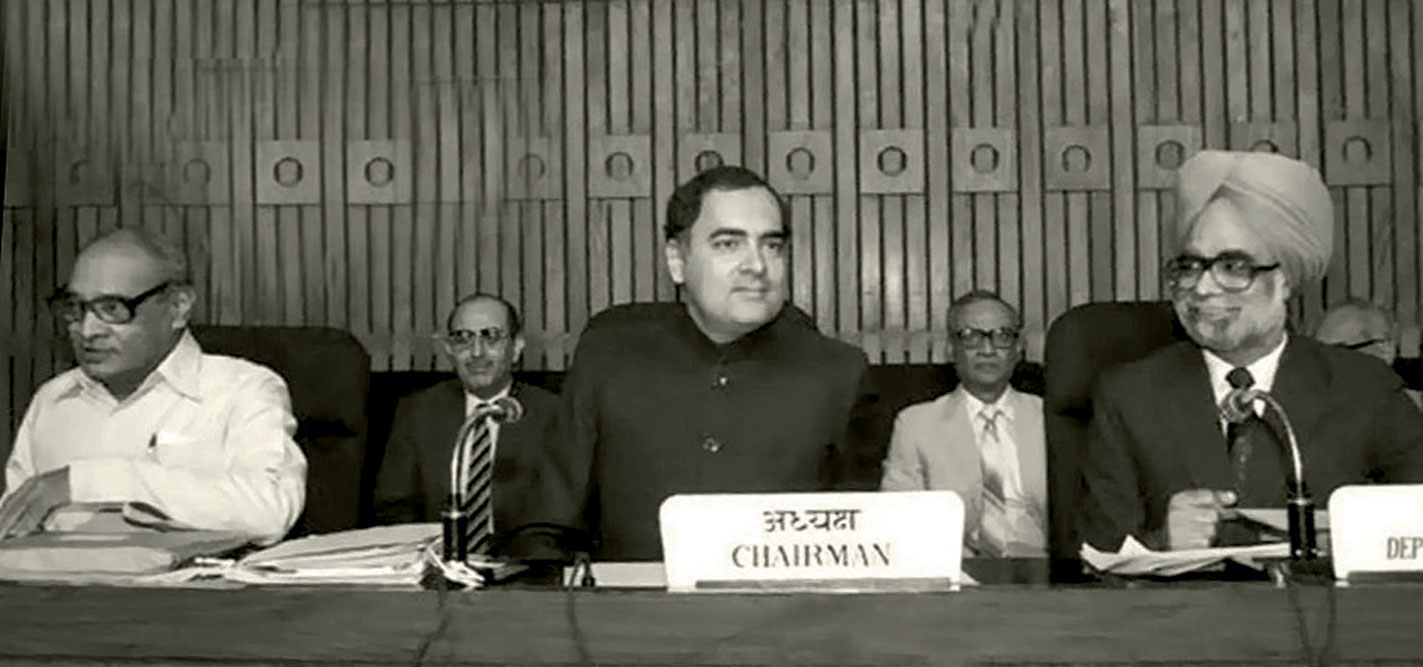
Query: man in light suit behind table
983	440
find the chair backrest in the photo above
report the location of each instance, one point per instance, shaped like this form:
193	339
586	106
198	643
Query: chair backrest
1081	344
328	375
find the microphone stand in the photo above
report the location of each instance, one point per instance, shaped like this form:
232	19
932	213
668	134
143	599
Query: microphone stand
1299	506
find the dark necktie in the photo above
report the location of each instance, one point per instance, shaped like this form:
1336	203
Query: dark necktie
1239	436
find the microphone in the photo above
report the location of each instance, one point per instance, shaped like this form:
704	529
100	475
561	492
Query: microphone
1238	406
502	410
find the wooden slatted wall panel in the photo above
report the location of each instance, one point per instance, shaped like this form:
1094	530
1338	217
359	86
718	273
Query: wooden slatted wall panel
361	164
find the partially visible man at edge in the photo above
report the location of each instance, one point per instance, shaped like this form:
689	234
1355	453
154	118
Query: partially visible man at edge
731	390
1252	230
148	417
1364	326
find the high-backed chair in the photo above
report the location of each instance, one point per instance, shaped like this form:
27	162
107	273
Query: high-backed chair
1081	344
327	372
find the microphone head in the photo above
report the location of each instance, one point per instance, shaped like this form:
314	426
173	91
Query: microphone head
507	410
1239	405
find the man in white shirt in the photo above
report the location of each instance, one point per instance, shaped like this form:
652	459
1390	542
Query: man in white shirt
147	417
983	440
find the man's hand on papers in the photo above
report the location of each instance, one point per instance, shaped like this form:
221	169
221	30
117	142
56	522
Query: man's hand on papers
1193	516
25	510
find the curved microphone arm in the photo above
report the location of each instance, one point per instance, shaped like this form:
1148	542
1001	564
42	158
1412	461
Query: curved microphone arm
1301	506
503	410
1247	397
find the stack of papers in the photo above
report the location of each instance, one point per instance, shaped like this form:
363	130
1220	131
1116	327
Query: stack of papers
391	556
113	557
1134	559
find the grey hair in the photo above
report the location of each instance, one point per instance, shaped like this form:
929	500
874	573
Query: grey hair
170	258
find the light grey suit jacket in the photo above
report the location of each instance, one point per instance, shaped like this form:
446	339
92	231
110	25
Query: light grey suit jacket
933	448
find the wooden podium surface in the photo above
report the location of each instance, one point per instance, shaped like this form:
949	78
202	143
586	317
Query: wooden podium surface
1195	623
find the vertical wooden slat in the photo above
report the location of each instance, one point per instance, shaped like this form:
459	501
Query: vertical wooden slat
915	243
1103	256
891	115
354	70
1381	214
752	94
290	106
1123	253
555	232
981	102
427	179
1215	121
575	164
1077	98
509	226
1311	53
937	169
532	290
267	295
821	116
334	258
1009	248
1155	96
646	259
402	223
1033	305
1402	64
378	126
961	218
846	212
600	267
308	234
871	224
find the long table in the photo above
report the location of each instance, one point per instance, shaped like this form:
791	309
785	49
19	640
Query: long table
1180	623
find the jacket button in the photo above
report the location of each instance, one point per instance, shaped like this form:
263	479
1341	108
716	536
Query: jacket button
720	382
711	445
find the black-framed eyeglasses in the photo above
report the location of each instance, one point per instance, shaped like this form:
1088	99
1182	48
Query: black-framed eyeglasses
1233	271
1002	338
463	339
109	308
1361	344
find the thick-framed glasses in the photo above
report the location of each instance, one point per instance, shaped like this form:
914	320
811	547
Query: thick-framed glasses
1233	271
1362	344
109	308
1002	338
464	339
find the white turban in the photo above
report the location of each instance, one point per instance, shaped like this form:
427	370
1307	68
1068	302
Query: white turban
1300	226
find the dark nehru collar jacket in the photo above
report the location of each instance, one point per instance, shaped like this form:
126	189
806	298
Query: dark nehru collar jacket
1156	431
652	408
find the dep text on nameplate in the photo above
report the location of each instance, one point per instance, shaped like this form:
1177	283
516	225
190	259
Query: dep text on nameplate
1376	530
887	541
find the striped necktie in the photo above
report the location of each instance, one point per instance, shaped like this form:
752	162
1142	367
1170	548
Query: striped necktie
478	502
992	528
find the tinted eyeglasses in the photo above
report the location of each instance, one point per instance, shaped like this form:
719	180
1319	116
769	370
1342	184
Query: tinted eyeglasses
1233	271
1002	338
464	339
1361	344
109	308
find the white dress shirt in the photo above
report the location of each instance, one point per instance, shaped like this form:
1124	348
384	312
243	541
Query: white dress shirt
206	439
472	403
1263	370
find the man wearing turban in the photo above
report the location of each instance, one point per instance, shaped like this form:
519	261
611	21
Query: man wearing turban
1162	464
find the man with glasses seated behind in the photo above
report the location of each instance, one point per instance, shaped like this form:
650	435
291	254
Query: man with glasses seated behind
1162	463
1362	325
148	417
984	439
484	339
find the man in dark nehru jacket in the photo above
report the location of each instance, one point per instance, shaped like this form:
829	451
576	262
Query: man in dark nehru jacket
1163	465
731	390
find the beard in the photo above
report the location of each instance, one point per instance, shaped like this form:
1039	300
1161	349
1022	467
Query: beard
1226	328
